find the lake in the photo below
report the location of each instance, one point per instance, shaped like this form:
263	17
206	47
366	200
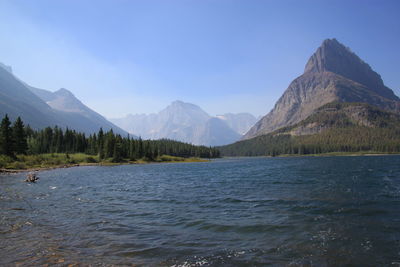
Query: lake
300	211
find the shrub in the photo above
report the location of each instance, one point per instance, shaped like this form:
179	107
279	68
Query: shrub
90	160
5	160
16	165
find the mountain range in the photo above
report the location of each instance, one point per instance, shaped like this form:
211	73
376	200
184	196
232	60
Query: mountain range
332	76
338	104
41	108
188	123
180	121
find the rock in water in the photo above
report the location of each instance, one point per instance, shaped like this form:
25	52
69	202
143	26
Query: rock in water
31	178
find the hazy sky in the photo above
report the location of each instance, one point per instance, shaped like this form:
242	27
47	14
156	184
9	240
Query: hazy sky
127	56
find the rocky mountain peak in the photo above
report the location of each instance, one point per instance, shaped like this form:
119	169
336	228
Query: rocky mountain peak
333	73
179	112
332	56
179	108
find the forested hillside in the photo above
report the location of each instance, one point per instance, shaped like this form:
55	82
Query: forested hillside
335	127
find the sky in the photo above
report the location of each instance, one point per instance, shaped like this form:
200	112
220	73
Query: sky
130	56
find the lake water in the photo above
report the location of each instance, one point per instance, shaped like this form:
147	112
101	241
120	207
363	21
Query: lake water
308	211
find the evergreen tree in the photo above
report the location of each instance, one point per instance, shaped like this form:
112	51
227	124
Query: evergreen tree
140	153
117	153
19	136
6	142
109	144
132	150
100	143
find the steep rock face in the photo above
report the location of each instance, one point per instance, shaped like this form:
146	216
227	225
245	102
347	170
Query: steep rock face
333	73
334	57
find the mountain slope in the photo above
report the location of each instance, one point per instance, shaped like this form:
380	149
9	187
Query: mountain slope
333	73
20	99
334	127
215	132
240	123
16	100
180	121
66	103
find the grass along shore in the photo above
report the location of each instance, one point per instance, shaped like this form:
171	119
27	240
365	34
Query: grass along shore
24	163
60	160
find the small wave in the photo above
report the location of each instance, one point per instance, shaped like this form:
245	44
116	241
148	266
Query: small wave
255	228
237	200
218	259
194	223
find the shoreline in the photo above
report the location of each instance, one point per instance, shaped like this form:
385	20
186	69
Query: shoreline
4	171
107	164
338	154
330	154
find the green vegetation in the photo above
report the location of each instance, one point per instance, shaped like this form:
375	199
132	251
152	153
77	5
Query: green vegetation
346	127
22	148
56	160
351	139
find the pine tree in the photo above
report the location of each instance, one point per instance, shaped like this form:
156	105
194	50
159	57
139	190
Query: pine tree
117	157
59	141
19	136
100	143
140	148
109	144
6	142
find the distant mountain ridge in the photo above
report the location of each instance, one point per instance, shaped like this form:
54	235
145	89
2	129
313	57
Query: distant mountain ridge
188	123
333	73
41	108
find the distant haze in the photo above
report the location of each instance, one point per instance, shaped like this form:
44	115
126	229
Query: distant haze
122	57
189	123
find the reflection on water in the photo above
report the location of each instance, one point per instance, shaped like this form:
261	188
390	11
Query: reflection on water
325	211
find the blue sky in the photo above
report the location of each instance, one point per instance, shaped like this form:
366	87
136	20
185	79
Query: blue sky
127	56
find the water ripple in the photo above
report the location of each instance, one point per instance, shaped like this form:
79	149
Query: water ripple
230	212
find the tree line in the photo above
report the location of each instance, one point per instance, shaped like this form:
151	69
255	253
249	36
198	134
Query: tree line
341	139
16	138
